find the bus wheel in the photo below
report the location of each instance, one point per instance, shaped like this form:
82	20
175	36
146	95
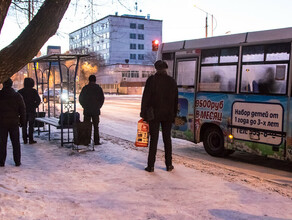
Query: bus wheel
214	142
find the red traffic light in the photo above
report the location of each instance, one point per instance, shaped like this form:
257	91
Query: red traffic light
155	45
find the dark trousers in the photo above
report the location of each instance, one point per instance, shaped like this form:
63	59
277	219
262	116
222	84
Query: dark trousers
95	122
30	118
14	137
154	135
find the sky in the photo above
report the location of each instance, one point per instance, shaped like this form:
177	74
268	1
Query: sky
182	19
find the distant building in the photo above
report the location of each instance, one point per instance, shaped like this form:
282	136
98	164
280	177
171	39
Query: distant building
120	40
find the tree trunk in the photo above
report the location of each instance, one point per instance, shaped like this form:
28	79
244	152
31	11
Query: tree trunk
23	49
4	6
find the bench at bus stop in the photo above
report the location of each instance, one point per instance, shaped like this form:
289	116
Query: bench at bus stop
81	130
52	121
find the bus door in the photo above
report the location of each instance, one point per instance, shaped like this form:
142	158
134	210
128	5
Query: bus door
185	75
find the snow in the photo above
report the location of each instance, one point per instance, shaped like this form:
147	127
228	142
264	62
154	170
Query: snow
56	182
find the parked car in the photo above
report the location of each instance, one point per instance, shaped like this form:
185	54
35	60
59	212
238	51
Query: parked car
65	96
50	94
57	96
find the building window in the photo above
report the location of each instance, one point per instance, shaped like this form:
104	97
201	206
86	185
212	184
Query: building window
141	26
141	46
140	56
134	74
125	73
132	36
132	25
133	46
140	36
133	56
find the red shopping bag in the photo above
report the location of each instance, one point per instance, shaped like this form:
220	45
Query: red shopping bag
142	134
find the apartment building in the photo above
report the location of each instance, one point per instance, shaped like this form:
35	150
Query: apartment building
120	40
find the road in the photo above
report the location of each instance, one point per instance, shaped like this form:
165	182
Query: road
119	117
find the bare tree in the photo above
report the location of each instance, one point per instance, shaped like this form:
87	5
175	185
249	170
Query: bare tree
88	65
43	25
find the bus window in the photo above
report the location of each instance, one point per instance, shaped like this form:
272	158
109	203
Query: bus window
253	53
264	78
186	72
210	56
218	78
278	52
269	74
229	55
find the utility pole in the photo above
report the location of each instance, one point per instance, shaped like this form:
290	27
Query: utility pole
92	28
206	25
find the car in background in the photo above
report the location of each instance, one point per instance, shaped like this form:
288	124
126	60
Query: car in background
57	96
51	95
65	96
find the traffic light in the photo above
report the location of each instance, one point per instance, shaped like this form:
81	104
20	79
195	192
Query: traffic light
155	44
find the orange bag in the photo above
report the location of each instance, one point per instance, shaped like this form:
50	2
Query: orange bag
142	134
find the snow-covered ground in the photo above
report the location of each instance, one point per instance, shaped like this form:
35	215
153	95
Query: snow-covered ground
110	183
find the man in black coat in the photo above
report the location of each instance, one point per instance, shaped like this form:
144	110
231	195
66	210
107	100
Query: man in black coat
160	94
32	100
91	99
12	113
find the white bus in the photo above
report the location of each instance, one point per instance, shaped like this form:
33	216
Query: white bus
234	92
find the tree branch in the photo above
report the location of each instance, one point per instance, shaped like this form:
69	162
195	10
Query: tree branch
34	36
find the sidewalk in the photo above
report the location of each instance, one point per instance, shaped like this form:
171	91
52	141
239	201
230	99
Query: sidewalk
110	183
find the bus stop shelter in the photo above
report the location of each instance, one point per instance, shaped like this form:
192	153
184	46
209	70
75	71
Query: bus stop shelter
43	67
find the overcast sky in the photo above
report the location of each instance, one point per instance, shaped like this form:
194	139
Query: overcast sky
182	19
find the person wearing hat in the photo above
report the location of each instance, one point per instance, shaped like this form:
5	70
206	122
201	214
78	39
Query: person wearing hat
32	100
12	113
160	98
91	98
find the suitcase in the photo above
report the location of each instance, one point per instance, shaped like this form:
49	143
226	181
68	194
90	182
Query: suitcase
82	133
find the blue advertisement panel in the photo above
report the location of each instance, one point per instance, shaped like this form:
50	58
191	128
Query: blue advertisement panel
256	122
184	123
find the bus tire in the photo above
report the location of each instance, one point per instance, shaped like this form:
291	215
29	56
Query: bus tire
214	142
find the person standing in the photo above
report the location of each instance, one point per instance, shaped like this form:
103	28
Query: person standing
32	100
161	97
12	113
91	99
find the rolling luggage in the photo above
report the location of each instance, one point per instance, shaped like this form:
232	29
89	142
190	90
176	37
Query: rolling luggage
82	133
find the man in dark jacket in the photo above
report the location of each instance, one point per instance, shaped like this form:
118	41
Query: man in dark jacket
160	94
32	100
91	99
12	112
